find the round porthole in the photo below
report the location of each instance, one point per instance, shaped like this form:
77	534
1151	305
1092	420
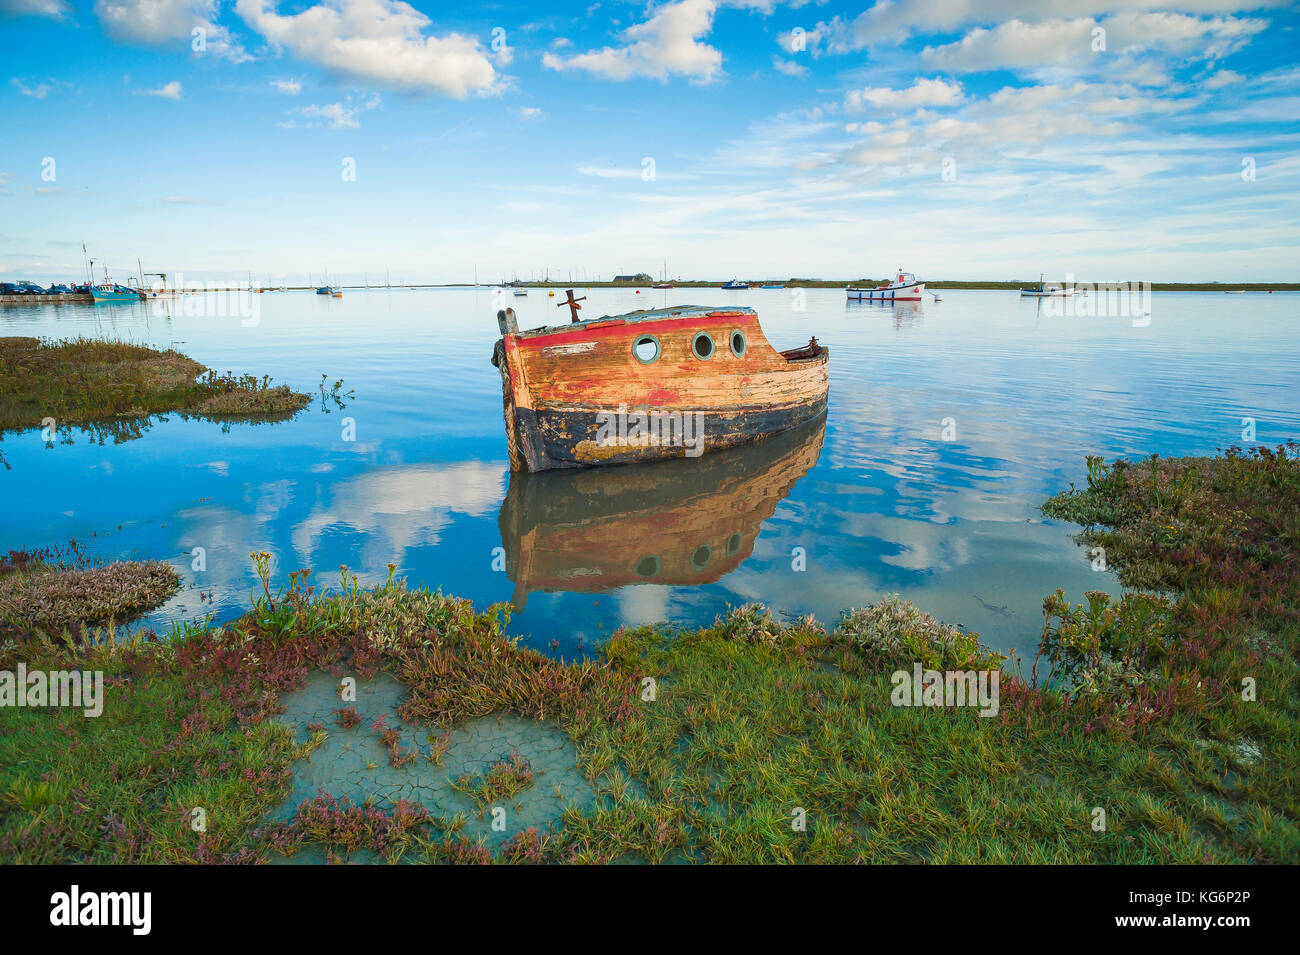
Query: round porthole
702	345
700	558
733	545
646	349
738	343
648	566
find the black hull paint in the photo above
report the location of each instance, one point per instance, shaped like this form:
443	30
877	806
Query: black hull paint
553	438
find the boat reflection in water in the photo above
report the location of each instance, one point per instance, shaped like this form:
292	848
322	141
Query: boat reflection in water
906	314
680	522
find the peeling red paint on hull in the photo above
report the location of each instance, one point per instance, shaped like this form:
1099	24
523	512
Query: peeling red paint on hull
649	385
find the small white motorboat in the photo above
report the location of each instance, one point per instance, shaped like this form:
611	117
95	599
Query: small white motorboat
904	288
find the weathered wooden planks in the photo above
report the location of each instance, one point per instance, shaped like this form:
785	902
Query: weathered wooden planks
559	381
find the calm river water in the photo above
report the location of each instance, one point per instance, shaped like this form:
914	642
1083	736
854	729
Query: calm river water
888	496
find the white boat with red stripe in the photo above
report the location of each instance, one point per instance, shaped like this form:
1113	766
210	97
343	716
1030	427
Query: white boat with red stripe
903	288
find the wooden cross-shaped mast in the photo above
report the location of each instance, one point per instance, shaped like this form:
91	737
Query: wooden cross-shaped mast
572	302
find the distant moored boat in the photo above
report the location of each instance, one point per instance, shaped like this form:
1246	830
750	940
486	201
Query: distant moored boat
904	288
110	291
1046	291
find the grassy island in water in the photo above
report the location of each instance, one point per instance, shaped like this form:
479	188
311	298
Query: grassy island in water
110	385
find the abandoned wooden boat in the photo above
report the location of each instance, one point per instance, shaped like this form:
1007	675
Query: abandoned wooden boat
658	383
679	523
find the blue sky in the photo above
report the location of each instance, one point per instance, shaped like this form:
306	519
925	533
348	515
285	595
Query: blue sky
954	138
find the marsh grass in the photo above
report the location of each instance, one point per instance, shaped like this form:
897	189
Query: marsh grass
60	591
755	723
113	388
502	780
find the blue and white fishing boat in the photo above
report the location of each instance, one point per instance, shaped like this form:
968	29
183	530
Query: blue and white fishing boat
736	284
325	290
903	288
110	291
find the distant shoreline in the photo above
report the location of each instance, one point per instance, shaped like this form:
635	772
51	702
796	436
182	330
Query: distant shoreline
756	285
842	283
868	283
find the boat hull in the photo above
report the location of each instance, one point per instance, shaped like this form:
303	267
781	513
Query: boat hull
552	438
105	295
577	396
901	293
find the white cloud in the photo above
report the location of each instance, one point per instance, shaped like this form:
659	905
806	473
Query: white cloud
668	44
39	91
377	42
891	21
789	67
1009	127
336	115
168	23
37	8
922	92
344	115
1221	79
1017	44
531	113
290	86
606	172
170	90
866	129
